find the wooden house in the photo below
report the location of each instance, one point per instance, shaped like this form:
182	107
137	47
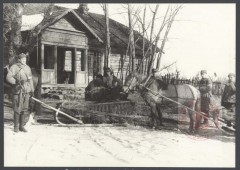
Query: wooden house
70	46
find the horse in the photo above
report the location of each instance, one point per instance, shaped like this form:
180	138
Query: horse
184	94
33	106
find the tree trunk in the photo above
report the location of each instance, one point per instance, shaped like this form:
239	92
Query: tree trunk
141	67
12	29
150	60
169	25
107	40
132	43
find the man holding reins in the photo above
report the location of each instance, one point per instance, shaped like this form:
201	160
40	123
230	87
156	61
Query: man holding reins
205	88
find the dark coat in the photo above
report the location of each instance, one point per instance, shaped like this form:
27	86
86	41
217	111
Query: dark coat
205	88
229	93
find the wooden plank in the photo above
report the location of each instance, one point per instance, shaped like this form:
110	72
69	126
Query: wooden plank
64	24
77	32
64	37
65	45
106	113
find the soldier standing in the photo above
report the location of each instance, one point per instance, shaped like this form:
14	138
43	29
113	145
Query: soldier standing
205	88
229	93
20	77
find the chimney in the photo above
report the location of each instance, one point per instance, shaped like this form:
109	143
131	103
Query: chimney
83	8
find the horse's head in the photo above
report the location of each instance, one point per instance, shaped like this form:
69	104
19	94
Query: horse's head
132	81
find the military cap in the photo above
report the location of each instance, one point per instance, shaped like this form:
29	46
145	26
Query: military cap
154	70
22	55
99	76
231	74
203	71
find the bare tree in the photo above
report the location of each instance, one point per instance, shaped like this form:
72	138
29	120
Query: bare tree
12	14
172	16
132	42
12	22
107	36
150	59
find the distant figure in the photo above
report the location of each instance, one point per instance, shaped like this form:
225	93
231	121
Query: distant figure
229	93
205	88
20	77
150	83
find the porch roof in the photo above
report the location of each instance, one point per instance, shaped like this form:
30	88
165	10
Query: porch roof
53	18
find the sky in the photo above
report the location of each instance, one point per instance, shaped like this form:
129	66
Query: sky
202	37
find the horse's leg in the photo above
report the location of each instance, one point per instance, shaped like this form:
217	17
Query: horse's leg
159	111
153	119
215	118
197	109
192	121
193	116
152	105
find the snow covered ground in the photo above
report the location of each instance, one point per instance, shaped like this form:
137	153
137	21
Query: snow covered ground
115	146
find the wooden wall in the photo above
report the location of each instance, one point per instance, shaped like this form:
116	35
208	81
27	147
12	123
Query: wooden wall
64	38
115	64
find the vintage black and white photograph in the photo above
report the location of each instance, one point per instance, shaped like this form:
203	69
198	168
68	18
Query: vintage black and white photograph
119	85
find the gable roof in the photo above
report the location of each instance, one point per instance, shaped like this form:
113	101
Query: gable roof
58	14
119	33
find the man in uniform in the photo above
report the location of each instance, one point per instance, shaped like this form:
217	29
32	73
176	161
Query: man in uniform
150	83
20	77
94	84
113	84
229	93
205	88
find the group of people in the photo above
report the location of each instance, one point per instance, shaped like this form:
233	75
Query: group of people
20	77
106	87
228	97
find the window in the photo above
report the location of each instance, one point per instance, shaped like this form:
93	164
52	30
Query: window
48	57
68	61
80	59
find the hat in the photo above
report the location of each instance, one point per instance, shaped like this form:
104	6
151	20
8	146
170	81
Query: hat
154	70
99	76
22	55
203	71
108	69
231	74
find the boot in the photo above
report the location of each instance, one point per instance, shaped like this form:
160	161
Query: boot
16	122
22	122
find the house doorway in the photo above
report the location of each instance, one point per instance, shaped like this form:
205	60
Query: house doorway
65	65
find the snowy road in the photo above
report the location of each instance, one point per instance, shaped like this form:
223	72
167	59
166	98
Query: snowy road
51	145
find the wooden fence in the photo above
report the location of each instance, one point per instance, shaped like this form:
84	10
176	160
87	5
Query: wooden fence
217	87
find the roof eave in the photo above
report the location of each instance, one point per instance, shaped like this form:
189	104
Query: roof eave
77	16
86	25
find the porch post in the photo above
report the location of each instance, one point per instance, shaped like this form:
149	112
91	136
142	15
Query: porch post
39	89
42	57
55	62
75	66
102	63
86	65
